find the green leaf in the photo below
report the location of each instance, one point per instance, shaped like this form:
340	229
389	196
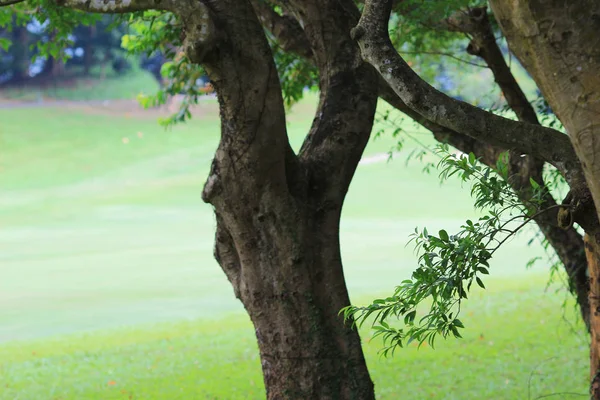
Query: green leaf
472	159
480	283
483	270
444	235
534	184
5	44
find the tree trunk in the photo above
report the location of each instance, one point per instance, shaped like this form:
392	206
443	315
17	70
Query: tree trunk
292	285
557	42
591	252
278	213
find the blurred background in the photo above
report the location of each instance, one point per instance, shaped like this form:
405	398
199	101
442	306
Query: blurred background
108	287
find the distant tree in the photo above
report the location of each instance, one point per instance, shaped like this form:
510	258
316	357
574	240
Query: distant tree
99	44
278	211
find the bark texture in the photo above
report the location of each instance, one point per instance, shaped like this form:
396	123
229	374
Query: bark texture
278	213
558	43
592	254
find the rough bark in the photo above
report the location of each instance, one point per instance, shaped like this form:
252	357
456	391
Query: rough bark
544	143
277	213
592	254
290	35
558	44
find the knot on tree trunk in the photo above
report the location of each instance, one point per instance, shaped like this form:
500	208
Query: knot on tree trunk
200	36
213	185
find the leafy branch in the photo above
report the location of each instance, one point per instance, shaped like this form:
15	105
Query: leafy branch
450	264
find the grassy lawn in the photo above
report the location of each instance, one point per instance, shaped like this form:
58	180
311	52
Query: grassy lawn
108	288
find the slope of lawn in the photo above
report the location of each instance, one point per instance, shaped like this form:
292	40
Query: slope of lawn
108	288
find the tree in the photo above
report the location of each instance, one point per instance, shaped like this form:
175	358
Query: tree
278	212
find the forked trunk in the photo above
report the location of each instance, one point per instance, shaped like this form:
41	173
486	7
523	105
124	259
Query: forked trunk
278	212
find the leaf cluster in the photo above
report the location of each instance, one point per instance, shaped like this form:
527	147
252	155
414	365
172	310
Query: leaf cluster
428	304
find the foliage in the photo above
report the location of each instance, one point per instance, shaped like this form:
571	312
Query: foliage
152	32
417	32
449	264
57	21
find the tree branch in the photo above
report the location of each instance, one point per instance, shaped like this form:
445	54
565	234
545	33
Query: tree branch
377	49
567	243
290	35
348	95
227	39
118	6
476	23
6	3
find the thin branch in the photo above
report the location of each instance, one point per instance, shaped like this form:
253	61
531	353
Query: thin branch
10	2
518	228
441	53
544	396
120	6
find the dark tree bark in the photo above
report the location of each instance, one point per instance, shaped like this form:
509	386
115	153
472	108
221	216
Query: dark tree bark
592	251
277	213
558	43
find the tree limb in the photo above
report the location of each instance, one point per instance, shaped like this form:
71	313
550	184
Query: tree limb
228	40
6	3
119	6
567	243
348	95
290	35
377	49
476	23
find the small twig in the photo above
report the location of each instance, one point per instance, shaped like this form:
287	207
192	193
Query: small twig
531	376
544	396
440	53
518	228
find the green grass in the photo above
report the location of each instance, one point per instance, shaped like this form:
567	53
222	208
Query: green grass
108	288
